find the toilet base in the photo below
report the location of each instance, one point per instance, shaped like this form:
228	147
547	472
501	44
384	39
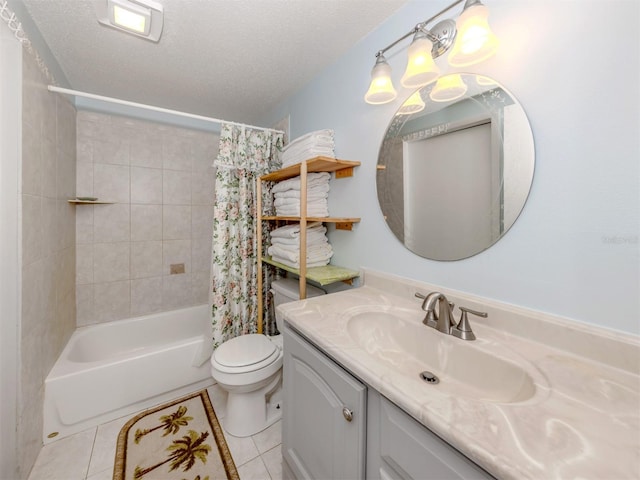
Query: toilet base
250	413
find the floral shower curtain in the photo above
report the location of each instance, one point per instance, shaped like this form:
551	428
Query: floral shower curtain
245	155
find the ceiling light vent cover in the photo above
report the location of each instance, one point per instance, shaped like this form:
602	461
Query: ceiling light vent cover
142	18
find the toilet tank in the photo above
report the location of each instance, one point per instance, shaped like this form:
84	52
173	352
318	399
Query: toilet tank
287	290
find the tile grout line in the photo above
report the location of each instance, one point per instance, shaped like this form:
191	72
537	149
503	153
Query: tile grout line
93	446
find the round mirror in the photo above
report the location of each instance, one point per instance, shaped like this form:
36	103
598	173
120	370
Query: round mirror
455	167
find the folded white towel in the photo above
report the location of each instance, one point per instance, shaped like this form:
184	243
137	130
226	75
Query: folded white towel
303	154
312	202
294	211
293	230
317	135
310	145
313	238
312	191
315	178
289	263
294	256
319	250
320	199
279	202
315	253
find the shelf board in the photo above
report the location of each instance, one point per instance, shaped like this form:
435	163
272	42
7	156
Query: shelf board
339	222
317	164
75	201
313	219
321	275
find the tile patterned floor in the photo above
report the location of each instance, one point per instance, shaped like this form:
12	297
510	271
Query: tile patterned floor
89	455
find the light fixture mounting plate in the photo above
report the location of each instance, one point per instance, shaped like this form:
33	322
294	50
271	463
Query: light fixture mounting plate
445	31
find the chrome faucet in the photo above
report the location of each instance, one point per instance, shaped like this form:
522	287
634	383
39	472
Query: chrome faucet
443	320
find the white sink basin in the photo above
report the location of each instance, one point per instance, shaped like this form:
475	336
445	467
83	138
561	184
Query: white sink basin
468	368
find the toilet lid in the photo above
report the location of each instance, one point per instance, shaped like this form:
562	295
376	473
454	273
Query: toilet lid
244	351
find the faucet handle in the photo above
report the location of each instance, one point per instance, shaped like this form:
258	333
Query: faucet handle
474	312
463	329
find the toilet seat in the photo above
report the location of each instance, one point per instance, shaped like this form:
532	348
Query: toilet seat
246	353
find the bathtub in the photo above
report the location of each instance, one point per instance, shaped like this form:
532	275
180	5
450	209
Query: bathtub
115	369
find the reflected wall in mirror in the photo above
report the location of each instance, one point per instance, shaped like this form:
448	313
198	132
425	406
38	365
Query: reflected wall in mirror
454	173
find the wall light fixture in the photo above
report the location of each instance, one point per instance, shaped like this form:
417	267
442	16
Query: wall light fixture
470	36
143	18
414	104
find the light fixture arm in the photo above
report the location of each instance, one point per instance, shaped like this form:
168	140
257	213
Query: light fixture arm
422	27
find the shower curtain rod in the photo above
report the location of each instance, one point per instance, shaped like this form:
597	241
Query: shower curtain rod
127	103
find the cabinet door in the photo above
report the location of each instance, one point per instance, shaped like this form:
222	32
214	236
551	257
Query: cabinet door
320	439
400	448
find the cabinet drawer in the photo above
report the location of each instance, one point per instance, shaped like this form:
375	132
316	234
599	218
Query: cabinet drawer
408	450
320	439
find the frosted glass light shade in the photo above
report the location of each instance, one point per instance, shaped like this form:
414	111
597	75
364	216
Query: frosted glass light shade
381	88
485	81
414	104
421	68
475	41
447	88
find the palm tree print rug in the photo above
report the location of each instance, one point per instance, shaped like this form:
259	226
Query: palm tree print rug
180	440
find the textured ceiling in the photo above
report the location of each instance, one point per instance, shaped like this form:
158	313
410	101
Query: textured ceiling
230	59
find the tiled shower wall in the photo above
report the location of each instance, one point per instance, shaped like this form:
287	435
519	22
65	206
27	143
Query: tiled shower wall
161	182
48	247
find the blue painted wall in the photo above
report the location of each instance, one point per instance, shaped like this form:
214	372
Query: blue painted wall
574	250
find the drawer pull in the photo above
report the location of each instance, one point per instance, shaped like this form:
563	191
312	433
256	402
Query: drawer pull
347	414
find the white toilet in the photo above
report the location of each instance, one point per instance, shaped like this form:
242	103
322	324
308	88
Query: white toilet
249	368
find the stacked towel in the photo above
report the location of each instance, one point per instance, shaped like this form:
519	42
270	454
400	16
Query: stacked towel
285	245
314	144
287	196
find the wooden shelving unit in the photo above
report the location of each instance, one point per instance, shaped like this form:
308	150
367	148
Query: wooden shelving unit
342	169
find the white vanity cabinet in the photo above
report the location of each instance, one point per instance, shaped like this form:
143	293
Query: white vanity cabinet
400	448
335	427
323	425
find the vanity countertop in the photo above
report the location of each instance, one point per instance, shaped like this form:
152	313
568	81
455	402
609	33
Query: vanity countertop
582	422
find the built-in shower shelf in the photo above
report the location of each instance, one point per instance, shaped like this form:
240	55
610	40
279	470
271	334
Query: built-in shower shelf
77	201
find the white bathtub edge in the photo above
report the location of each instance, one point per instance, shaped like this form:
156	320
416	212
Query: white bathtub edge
122	413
